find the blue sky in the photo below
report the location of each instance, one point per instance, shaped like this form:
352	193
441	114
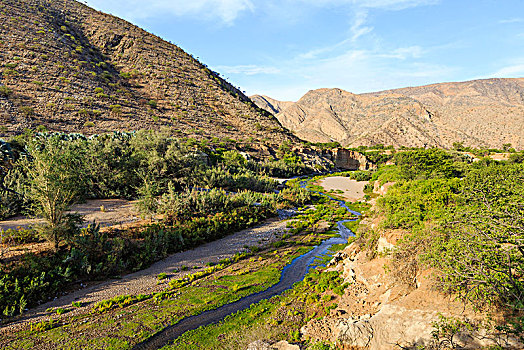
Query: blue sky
285	48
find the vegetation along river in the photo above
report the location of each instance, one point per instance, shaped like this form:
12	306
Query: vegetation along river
292	273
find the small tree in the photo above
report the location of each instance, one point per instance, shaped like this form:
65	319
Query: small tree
54	182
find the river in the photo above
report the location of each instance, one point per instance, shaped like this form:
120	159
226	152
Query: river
294	272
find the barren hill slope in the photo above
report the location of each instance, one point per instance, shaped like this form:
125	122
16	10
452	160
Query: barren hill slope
71	68
482	113
269	104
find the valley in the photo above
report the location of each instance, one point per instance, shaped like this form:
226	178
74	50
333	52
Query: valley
146	202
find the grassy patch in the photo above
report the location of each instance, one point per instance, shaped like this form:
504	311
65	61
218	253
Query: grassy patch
126	320
275	319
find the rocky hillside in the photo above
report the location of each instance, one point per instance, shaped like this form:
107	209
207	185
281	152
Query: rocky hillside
269	104
479	113
67	67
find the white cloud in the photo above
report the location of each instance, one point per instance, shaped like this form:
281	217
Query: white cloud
383	4
403	53
225	11
393	4
312	54
358	28
247	69
511	20
510	71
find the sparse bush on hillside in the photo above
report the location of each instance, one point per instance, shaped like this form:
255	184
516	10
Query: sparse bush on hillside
28	111
116	110
5	91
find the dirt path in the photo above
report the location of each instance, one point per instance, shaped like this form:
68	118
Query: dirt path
106	212
145	281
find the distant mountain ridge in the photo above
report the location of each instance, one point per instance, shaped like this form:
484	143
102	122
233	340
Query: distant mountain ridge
480	113
67	67
269	104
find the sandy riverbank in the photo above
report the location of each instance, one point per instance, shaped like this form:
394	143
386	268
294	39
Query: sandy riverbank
353	190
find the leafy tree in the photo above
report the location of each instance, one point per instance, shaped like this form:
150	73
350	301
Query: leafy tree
54	182
481	249
425	164
409	204
165	158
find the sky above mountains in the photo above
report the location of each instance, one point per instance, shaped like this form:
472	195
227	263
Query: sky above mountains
283	48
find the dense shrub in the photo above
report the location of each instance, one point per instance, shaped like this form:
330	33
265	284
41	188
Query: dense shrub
480	250
180	206
425	164
220	177
411	203
280	168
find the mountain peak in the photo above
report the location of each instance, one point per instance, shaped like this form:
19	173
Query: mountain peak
480	113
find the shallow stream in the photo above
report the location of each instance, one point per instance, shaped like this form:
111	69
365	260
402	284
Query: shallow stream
294	272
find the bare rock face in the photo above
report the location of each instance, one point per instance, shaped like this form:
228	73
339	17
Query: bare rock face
481	113
378	312
351	160
284	345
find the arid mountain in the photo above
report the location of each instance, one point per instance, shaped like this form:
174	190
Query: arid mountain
271	105
70	68
481	113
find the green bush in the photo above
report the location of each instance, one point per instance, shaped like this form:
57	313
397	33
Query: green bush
5	91
425	164
480	250
409	204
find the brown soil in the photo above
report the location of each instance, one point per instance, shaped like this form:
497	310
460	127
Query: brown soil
117	213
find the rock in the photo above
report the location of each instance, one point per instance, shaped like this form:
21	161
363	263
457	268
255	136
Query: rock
353	333
392	325
284	345
258	345
281	345
351	160
338	257
383	245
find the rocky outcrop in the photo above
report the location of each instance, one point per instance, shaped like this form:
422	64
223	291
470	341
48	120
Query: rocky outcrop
479	113
351	160
317	159
378	312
